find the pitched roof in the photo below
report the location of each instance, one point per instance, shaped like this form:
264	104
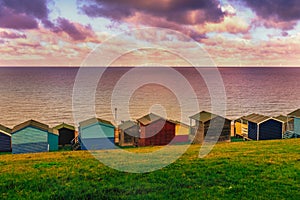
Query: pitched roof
150	118
179	123
127	125
5	130
256	118
282	118
94	121
63	125
31	123
204	116
295	113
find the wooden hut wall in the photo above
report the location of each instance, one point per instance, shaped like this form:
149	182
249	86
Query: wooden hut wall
157	133
53	141
5	142
270	129
181	133
127	136
97	136
252	131
197	133
297	125
29	140
215	124
238	128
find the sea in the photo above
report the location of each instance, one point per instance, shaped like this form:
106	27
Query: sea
46	94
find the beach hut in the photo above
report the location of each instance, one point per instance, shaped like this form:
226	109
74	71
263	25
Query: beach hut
293	125
182	131
240	127
155	130
96	134
66	134
32	137
261	127
203	122
128	133
5	139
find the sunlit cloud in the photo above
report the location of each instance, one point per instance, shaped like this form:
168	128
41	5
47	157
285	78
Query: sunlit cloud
246	32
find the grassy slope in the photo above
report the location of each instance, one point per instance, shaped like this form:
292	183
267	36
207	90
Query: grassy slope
251	170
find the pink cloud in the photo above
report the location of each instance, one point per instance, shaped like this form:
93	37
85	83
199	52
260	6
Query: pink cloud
12	35
241	51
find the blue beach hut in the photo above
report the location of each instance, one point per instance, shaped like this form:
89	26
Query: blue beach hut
261	127
32	137
5	139
96	134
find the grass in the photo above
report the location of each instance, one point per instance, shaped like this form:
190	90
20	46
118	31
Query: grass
241	170
235	139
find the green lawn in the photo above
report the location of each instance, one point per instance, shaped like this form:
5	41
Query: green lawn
240	170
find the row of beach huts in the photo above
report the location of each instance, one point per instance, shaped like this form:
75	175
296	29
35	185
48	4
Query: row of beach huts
150	130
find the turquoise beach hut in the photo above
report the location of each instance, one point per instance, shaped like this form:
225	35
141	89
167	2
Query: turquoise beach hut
32	137
293	124
5	139
96	134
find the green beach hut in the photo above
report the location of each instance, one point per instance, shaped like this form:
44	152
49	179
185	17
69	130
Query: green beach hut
32	137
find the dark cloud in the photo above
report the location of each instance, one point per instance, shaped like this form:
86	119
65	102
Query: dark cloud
10	19
12	35
22	14
281	10
68	27
186	12
76	31
26	14
36	8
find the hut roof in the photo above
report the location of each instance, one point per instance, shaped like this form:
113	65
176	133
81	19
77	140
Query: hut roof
94	121
5	130
256	118
126	125
239	119
179	123
295	113
205	116
282	118
31	123
150	118
63	125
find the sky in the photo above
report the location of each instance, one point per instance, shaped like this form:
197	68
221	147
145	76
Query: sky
233	32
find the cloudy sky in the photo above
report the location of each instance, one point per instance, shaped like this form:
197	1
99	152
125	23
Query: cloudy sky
233	32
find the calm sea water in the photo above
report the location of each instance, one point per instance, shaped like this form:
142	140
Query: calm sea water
45	94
